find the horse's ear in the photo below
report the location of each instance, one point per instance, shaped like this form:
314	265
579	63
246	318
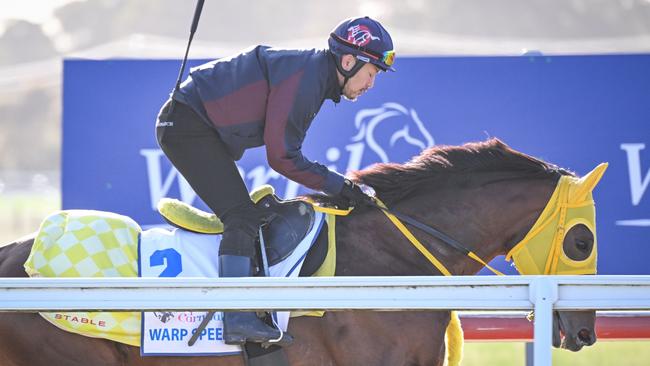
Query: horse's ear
587	183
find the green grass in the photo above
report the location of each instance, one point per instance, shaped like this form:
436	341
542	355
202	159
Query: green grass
628	353
22	213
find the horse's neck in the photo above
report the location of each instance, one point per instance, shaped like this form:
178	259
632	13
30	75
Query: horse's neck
487	219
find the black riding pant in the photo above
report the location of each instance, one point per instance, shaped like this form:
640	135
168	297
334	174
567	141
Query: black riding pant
197	152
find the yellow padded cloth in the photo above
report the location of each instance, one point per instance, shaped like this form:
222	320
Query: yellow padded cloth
84	243
328	268
185	216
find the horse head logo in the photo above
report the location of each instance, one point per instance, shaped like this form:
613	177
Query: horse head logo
410	129
163	316
360	35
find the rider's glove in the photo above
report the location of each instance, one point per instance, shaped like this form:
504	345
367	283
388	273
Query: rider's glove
353	195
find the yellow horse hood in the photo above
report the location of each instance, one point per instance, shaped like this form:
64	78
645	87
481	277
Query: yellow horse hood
541	252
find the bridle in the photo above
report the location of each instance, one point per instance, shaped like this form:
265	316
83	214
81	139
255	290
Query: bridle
396	218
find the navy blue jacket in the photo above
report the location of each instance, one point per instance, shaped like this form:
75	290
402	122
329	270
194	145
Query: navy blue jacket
267	96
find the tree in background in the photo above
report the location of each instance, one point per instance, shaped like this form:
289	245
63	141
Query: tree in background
24	41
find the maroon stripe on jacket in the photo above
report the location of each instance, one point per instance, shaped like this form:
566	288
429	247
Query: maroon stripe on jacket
246	104
280	104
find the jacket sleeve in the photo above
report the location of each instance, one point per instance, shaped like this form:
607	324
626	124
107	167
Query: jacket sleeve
291	106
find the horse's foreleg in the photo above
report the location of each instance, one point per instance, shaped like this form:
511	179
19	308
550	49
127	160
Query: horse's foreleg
311	345
386	338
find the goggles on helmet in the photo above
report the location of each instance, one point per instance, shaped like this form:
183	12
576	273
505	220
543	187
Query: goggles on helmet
386	58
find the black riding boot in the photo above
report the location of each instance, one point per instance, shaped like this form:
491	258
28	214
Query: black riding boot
241	327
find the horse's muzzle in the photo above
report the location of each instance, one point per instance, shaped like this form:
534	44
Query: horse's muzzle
572	341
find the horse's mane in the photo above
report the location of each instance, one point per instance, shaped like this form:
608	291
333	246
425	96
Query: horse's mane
439	164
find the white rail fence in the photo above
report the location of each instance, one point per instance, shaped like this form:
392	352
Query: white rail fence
541	293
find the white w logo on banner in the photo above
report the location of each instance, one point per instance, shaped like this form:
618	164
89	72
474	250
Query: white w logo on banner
638	184
158	187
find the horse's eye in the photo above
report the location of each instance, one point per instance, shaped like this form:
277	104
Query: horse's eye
582	245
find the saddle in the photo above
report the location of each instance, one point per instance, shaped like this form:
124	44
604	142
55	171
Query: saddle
290	221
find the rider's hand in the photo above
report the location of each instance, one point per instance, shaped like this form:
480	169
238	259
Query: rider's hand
352	195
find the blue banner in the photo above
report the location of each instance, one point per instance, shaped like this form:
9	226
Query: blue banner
574	111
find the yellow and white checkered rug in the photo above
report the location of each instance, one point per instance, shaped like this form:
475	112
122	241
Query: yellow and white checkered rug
85	243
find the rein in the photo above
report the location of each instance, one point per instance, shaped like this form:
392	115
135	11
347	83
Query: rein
396	218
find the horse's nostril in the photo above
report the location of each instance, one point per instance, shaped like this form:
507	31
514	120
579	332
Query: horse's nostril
585	336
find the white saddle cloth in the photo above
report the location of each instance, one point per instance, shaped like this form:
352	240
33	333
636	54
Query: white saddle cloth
180	253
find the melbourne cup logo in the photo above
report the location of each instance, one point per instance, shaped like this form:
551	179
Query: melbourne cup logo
388	133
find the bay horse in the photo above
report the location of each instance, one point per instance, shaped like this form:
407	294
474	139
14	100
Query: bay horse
484	194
